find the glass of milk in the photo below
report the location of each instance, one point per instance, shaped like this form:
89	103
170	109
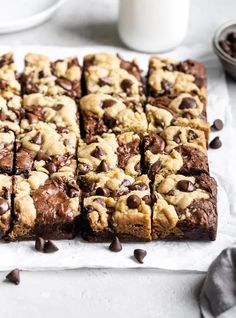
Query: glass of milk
153	25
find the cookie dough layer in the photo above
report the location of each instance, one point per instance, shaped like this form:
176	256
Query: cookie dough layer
45	207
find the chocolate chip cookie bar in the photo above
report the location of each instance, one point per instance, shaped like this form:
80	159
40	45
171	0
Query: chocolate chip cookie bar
44	206
7	139
161	159
108	151
62	77
109	74
169	78
104	113
119	207
184	207
5	203
47	148
9	83
59	110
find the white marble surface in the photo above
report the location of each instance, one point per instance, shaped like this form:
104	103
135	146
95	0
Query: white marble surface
108	293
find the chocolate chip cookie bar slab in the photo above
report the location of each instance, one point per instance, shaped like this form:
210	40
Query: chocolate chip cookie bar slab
7	139
58	110
47	148
9	83
44	206
125	213
5	203
112	75
184	207
169	78
110	151
103	113
183	159
62	77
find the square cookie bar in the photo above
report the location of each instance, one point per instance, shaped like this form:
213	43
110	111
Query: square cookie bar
112	75
169	78
5	203
108	151
124	210
7	140
62	77
184	207
45	207
59	110
9	83
183	159
47	148
103	113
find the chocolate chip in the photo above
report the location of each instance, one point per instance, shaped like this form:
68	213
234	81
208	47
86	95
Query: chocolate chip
41	74
183	67
62	130
215	143
187	103
200	82
37	139
64	83
42	156
14	276
176	138
109	121
125	183
97	152
133	201
139	254
169	67
103	166
147	199
39	244
166	85
58	107
72	193
51	167
104	81
66	142
185	186
115	245
50	247
108	103
139	186
192	135
154	169
154	143
159	123
126	85
89	208
83	168
217	124
137	167
102	191
4	206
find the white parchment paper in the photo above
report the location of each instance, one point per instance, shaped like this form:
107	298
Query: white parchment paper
164	255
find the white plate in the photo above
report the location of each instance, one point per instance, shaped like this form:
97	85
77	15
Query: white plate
18	15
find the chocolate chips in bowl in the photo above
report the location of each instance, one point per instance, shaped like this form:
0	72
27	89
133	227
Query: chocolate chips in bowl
224	44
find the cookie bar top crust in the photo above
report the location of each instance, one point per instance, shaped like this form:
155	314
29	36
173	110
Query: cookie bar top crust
62	77
110	74
127	215
185	207
59	110
167	77
107	152
104	113
46	207
46	147
5	203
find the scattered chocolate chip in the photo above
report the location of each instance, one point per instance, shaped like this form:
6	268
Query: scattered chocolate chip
4	206
176	138
62	130
192	135
64	83
108	103
39	244
89	208
139	254
115	245
50	247
183	67
42	156
97	152
217	125
58	107
37	139
187	103
51	167
14	276
102	191
166	85
104	81
66	142
169	67
155	168
109	121
215	143
147	199
83	168
103	166
133	201
159	123
126	85
185	186
154	143
125	183
41	74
